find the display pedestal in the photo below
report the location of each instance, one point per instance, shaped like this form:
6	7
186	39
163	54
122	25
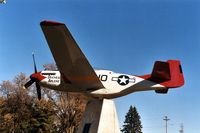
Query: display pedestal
100	116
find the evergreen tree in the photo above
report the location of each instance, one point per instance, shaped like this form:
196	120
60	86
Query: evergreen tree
132	123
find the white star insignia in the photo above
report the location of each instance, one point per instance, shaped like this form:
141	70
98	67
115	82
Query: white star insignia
123	80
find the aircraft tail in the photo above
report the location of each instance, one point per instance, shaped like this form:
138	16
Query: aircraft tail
168	73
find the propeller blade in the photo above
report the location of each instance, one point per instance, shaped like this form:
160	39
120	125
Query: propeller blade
38	91
35	68
29	83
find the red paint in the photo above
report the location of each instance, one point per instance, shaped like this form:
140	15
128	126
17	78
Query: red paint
169	75
50	23
38	76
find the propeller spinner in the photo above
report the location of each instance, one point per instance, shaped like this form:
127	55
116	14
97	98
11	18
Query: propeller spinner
34	78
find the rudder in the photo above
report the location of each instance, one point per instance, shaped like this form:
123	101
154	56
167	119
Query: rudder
168	73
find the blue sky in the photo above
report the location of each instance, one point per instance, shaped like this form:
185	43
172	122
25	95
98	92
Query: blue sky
124	36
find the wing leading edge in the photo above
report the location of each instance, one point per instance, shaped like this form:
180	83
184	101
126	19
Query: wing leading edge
69	58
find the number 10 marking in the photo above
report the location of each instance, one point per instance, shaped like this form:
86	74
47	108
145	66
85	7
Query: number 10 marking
103	77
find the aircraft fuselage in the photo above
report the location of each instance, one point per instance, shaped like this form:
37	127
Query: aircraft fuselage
116	84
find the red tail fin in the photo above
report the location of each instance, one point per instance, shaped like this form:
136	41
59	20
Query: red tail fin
168	73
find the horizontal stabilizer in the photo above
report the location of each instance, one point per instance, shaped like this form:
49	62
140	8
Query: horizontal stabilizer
161	71
168	73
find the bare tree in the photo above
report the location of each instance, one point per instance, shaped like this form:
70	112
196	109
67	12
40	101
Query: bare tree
6	87
14	108
69	106
51	66
20	111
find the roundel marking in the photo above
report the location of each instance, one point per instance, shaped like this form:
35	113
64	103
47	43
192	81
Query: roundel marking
123	80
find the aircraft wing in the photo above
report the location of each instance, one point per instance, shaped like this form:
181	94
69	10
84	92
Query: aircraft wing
69	58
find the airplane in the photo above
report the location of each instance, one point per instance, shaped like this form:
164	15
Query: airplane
3	1
77	75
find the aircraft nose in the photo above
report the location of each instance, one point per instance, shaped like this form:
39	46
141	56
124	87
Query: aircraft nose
37	76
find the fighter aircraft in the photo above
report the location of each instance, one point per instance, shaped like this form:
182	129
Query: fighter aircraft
77	75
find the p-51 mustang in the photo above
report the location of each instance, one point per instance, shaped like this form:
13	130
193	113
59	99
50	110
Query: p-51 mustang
77	75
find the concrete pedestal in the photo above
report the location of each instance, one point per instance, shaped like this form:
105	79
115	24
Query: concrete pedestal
100	116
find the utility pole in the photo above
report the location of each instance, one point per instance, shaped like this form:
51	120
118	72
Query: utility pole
166	119
181	131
